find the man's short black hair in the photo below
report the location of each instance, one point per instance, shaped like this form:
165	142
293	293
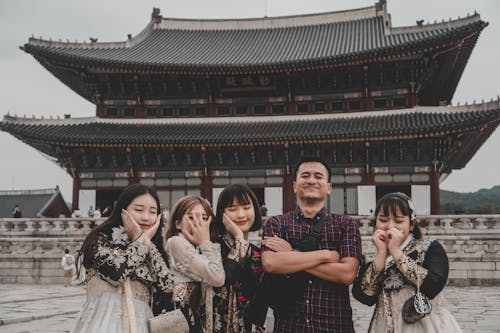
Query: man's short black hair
307	159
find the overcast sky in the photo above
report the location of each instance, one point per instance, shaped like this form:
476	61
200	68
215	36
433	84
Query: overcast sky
27	88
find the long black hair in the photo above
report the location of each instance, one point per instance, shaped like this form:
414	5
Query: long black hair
115	220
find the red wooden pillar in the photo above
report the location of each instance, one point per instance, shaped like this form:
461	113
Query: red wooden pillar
75	201
435	197
288	194
206	188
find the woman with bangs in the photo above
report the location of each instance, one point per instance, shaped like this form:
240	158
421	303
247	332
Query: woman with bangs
195	261
125	263
236	306
405	266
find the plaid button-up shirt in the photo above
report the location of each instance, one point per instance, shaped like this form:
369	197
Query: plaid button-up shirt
323	306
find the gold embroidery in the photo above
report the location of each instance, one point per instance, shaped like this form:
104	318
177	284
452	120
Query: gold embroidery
370	282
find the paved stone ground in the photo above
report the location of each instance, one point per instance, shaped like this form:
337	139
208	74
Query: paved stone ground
51	309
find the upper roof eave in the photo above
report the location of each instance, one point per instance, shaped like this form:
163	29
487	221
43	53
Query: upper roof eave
90	54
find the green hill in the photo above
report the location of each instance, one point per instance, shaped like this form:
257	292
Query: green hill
484	201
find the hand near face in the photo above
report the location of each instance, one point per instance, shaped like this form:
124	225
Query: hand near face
132	228
395	239
200	229
231	227
149	233
277	244
380	239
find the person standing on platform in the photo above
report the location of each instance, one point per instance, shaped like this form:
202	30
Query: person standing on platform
90	212
263	209
322	304
97	213
68	266
106	212
16	212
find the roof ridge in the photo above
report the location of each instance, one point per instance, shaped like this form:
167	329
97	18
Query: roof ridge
30	191
271	22
450	24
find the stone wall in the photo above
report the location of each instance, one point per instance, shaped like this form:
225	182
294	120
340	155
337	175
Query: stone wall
31	249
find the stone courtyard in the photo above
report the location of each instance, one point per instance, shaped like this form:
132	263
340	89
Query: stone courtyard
54	308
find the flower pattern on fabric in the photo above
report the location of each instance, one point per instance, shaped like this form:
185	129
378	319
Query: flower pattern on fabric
116	260
119	236
239	250
395	277
412	269
243	261
371	281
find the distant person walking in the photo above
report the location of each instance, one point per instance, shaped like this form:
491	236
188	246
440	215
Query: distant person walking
107	211
76	213
90	212
263	209
68	266
16	212
97	213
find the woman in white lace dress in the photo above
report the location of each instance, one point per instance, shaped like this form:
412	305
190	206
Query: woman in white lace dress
124	262
404	262
195	261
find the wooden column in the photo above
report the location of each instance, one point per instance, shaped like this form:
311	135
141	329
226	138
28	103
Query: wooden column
206	188
288	195
435	197
75	202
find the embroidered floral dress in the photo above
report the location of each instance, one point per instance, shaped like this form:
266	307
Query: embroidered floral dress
236	306
423	262
196	271
119	285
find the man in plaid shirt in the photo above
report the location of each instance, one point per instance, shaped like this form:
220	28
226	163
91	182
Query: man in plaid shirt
324	304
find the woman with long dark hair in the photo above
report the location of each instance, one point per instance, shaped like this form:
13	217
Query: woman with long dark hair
195	261
125	262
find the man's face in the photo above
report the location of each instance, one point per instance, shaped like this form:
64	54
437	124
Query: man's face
312	182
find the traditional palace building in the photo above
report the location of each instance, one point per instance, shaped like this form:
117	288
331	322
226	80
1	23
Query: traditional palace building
190	106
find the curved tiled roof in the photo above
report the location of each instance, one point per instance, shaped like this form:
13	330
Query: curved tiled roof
257	44
408	123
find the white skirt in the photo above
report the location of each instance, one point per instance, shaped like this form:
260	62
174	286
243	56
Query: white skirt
103	312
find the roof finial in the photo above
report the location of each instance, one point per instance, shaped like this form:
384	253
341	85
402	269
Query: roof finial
93	40
155	15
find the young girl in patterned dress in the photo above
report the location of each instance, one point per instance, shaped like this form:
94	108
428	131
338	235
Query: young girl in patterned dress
195	261
124	262
403	261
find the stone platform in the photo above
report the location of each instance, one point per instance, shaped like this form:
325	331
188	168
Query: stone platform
54	308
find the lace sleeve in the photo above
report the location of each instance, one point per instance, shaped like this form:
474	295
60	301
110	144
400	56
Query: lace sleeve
205	267
163	278
239	251
115	262
411	270
371	281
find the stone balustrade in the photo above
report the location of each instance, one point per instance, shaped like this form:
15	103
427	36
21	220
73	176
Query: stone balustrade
31	248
